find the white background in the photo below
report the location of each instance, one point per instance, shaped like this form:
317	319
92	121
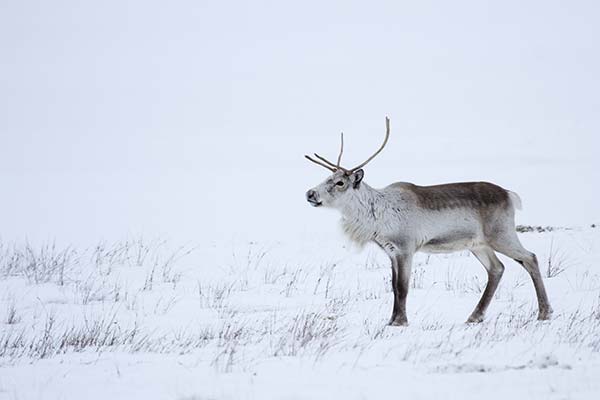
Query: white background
190	119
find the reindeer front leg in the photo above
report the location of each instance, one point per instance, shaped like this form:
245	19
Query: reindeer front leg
401	266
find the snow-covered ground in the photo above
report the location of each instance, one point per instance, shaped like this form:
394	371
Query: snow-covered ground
142	318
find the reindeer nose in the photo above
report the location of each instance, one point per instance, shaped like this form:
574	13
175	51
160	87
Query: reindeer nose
313	198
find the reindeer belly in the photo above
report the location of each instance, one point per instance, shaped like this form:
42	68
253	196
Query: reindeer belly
449	242
454	231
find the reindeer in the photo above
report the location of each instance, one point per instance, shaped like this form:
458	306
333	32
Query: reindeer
404	218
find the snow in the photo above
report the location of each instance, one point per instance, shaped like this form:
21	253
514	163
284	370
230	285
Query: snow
145	318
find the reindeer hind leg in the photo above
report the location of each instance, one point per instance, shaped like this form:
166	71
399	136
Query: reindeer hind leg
495	269
509	245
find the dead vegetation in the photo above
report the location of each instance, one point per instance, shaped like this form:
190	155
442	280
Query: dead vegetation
541	229
136	297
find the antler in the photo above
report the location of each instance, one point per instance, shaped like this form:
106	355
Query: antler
337	167
319	163
341	149
387	136
328	164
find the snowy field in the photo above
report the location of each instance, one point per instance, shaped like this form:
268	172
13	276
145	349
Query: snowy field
143	318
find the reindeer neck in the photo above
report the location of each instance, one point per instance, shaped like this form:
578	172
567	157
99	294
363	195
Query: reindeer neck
363	201
362	217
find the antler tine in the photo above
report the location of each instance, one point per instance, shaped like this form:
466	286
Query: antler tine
336	167
339	160
387	136
332	169
325	160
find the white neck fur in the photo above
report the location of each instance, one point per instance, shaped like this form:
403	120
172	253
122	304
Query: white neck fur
367	215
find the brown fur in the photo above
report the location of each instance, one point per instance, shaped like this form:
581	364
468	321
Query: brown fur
454	195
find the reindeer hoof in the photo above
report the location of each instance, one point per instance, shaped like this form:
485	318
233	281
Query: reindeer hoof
398	322
544	315
475	319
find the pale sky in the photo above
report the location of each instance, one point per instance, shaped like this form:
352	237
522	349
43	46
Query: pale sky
189	119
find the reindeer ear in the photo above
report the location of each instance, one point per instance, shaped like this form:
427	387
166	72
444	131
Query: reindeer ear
356	178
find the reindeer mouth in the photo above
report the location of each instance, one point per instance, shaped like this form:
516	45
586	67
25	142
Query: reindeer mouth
314	203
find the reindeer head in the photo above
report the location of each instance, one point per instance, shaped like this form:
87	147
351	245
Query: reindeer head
342	182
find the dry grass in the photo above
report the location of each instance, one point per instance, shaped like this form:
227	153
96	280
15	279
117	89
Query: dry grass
129	292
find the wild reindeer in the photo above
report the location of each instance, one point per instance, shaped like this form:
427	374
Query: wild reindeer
404	218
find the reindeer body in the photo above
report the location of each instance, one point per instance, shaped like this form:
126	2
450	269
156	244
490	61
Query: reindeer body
404	218
432	219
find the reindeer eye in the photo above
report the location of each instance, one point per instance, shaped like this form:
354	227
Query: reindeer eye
339	183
